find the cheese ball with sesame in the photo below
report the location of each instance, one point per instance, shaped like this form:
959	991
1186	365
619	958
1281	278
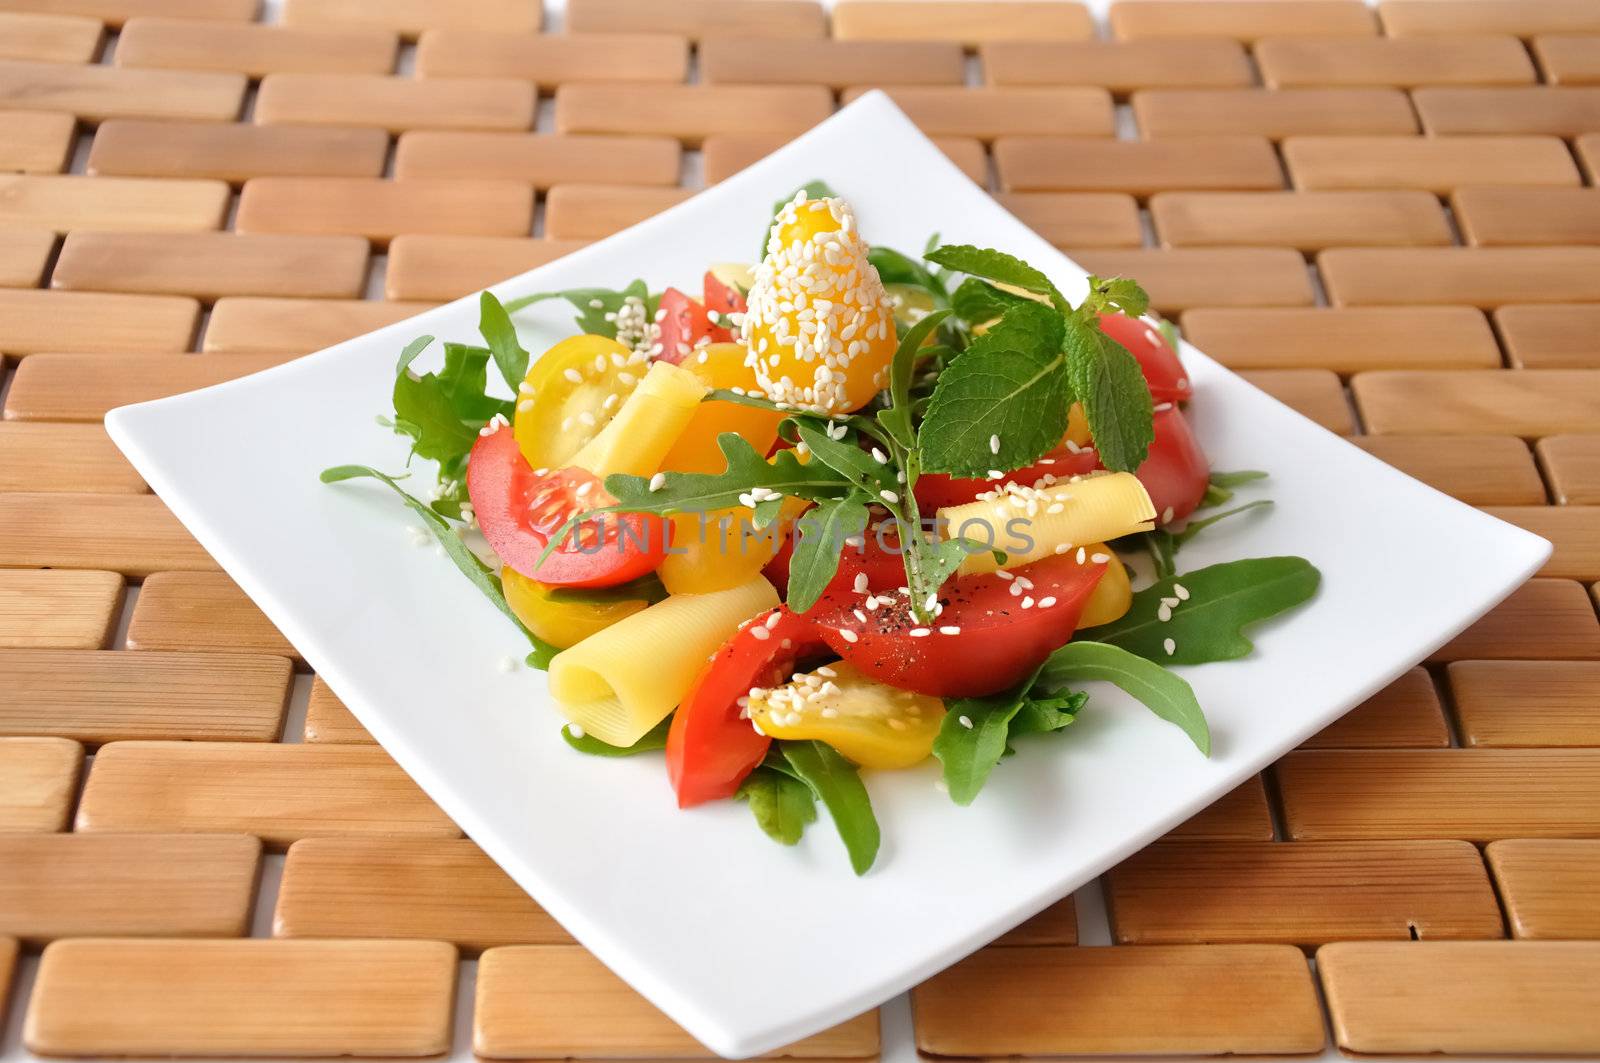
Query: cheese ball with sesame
820	327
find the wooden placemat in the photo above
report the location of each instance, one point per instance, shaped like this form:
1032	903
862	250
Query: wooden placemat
1384	216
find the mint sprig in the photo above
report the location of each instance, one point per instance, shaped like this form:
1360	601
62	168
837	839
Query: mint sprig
994	265
1107	380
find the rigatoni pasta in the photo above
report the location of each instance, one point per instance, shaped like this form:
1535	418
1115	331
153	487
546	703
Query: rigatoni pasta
620	682
1032	523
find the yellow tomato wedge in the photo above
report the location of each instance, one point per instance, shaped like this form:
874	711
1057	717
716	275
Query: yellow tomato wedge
564	618
723	550
871	723
820	326
646	427
570	394
1112	596
721	365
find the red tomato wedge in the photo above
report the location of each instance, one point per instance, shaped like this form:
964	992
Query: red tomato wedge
1162	370
1176	472
519	510
686	325
936	490
711	747
995	644
722	300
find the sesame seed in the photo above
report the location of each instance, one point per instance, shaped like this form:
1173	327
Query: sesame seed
573	375
574	730
772	620
1100	559
994	444
1081	555
757	631
1181	591
965	721
525	405
846	634
1027	603
1170	646
658	481
861	583
879	456
1047	601
950	629
509	664
1164	612
889	497
1062	548
919	632
1166	515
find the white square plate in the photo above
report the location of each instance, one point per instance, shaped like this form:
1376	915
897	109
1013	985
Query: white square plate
745	943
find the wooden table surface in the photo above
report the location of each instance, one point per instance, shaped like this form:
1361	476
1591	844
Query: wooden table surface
1386	216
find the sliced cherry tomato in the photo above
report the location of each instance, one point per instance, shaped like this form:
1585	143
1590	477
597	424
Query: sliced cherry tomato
1175	473
1162	370
871	723
936	490
685	327
711	745
721	300
984	641
570	393
564	622
519	510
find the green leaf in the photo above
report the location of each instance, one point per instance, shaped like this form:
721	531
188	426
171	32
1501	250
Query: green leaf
1236	479
897	419
1008	387
848	460
410	352
896	268
481	575
997	266
1162	692
838	786
1122	293
969	753
424	411
1116	399
1169	332
652	740
593	305
819	539
501	335
1045	713
782	804
682	492
1195	527
1222	600
977	301
649	587
941	558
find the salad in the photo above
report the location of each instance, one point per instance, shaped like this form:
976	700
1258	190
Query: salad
848	510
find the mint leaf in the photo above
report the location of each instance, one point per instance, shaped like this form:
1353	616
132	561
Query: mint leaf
1009	386
1161	691
837	785
1122	293
1222	600
969	753
471	565
997	266
1108	382
977	301
652	740
819	539
700	491
494	324
782	804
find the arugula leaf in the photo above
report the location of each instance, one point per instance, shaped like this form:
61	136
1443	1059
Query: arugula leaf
593	305
410	352
1116	400
1195	527
425	410
1008	385
837	785
896	268
897	418
1043	713
651	741
1219	488
648	587
471	565
941	558
848	460
501	335
1162	692
819	539
997	266
977	301
781	803
698	491
1217	604
969	753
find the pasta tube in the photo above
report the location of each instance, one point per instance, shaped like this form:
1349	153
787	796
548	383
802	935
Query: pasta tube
648	424
620	682
1030	523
